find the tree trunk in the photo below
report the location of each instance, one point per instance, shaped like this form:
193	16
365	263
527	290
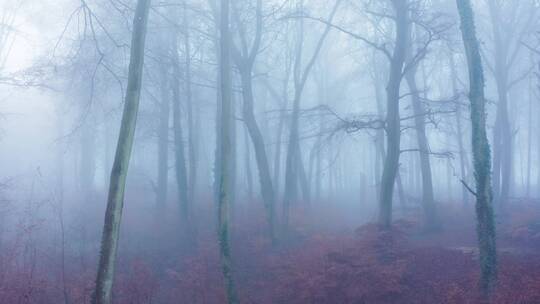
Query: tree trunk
111	229
163	141
529	144
463	161
249	177
226	156
481	151
393	131
538	143
428	201
302	177
278	150
294	159
502	150
179	148
265	179
192	141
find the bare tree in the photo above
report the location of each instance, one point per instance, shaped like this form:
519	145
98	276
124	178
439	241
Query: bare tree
111	229
393	127
507	46
244	58
294	162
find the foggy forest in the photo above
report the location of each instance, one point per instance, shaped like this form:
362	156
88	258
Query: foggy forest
270	152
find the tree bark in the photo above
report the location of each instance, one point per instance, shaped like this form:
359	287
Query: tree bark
481	150
111	229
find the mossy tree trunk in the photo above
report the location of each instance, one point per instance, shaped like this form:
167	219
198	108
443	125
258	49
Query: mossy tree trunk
481	151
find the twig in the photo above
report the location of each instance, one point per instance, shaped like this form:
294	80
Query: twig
468	188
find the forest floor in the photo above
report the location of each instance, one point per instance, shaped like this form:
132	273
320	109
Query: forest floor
407	265
332	256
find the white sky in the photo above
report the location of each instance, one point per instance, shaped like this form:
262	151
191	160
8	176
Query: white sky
27	127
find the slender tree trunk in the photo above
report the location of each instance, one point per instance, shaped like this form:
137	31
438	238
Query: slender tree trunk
111	229
393	128
428	201
291	166
163	141
192	141
463	161
294	158
302	176
265	179
529	144
502	150
179	147
538	143
481	151
249	177
278	152
318	156
226	156
379	135
318	168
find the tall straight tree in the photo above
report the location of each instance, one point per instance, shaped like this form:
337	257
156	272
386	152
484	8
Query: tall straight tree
224	195
115	202
192	136
179	149
481	150
163	136
393	127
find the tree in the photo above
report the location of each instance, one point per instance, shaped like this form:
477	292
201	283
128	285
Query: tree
294	162
481	150
506	50
179	149
163	133
226	157
428	201
113	215
393	129
463	159
244	58
192	130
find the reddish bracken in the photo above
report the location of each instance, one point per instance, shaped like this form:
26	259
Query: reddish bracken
367	265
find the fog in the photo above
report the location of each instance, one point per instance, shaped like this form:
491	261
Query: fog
284	151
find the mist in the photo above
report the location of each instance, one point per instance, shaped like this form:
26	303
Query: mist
283	151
